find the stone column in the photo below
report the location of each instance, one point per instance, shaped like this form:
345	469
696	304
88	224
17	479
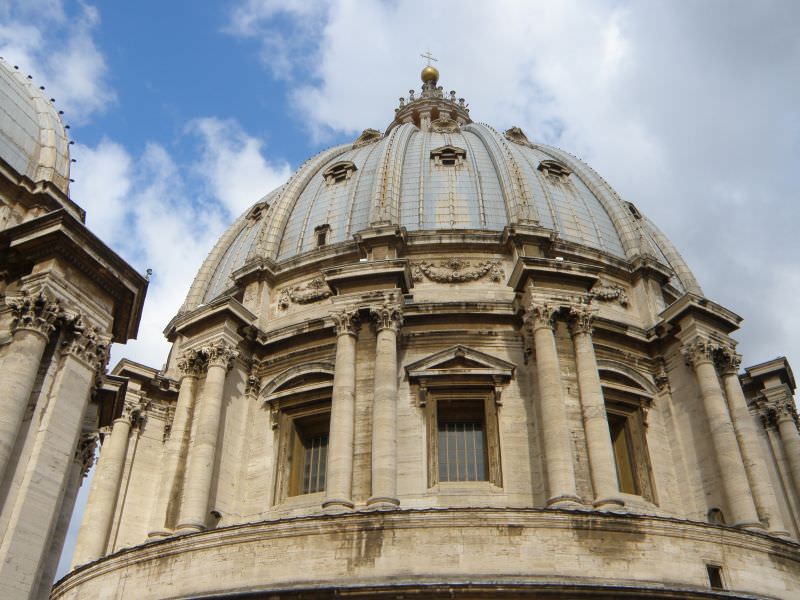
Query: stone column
555	432
783	412
700	356
28	542
388	319
191	364
98	518
203	453
745	427
34	319
339	476
84	459
595	421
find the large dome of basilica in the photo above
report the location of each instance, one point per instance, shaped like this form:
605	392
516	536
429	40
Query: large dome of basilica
445	361
434	169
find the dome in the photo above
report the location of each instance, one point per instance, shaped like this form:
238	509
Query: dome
436	170
32	137
445	361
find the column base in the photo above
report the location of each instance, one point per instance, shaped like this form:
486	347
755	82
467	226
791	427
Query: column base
185	528
383	503
565	501
159	534
336	505
754	526
608	503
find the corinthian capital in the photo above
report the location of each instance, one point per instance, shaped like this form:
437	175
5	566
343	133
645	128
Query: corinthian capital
698	351
84	453
346	321
389	315
541	315
728	361
191	363
86	343
35	312
581	319
219	354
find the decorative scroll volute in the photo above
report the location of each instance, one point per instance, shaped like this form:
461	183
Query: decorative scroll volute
84	453
387	316
457	270
87	343
192	363
219	354
728	360
35	312
698	351
581	319
541	315
346	321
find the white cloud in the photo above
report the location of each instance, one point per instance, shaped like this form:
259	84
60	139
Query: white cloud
166	217
689	110
232	165
59	50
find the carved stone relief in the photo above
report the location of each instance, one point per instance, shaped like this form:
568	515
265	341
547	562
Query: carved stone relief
606	292
457	270
368	136
313	291
516	135
444	124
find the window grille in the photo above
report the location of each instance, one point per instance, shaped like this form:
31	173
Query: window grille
314	463
462	441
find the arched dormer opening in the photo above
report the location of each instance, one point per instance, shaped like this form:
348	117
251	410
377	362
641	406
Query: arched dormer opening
628	397
448	156
299	401
339	172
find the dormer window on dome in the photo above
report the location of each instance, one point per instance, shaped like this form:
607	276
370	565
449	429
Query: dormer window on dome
339	172
448	156
554	168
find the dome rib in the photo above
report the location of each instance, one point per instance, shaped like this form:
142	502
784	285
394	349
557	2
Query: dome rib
386	196
274	228
33	139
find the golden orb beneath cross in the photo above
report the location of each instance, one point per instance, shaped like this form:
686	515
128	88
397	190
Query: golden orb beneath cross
430	73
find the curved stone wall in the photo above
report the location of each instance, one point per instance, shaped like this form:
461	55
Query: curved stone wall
512	552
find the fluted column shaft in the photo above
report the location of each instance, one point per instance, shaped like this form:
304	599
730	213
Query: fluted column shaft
700	356
339	476
595	421
384	408
99	516
34	321
203	452
754	464
176	445
555	432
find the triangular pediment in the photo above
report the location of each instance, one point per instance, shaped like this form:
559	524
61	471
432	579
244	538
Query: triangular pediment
460	360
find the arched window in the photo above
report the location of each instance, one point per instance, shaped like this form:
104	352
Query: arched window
339	172
554	168
300	405
627	403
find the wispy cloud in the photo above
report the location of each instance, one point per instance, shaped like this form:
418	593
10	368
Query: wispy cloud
58	49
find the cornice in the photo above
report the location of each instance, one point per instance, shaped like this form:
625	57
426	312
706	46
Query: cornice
59	234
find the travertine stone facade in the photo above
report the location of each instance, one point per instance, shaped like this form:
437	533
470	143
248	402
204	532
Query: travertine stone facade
64	297
446	361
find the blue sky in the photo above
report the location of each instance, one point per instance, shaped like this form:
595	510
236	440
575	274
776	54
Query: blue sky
186	113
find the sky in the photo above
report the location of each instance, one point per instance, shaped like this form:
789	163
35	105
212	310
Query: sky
185	113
